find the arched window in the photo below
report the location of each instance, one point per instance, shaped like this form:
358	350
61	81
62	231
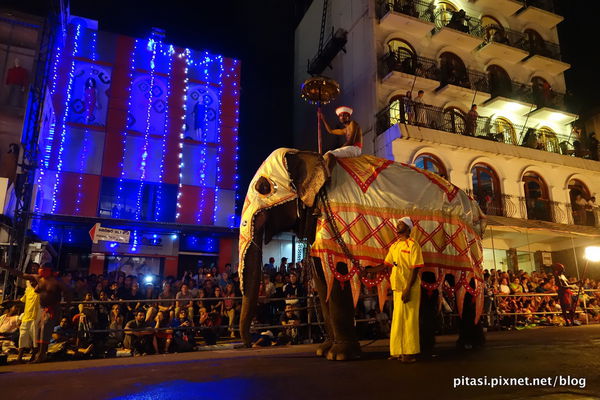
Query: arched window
500	83
445	12
536	197
580	195
455	120
505	131
536	44
453	70
397	110
548	140
542	91
494	31
431	163
404	55
486	189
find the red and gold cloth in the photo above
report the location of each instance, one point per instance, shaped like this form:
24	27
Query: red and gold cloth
368	194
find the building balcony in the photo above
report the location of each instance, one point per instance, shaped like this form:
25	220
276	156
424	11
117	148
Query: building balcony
415	16
465	33
468	86
538	62
486	132
539	12
409	73
516	46
536	209
506	7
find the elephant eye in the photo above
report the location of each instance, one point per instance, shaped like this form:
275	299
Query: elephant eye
265	186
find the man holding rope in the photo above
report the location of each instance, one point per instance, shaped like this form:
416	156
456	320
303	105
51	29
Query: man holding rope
405	258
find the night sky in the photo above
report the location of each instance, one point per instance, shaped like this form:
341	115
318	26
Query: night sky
261	35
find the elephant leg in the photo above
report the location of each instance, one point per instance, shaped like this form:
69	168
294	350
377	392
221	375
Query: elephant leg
321	287
341	315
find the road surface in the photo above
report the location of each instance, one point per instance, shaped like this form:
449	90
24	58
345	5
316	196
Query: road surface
293	372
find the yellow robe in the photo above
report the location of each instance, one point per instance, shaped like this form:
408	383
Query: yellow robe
403	256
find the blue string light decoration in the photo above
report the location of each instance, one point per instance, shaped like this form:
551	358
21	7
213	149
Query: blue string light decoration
63	126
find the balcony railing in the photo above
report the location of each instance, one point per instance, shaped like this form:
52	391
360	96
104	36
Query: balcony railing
454	20
404	111
417	66
520	40
505	205
474	80
419	9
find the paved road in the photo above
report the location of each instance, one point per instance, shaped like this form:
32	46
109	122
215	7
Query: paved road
294	373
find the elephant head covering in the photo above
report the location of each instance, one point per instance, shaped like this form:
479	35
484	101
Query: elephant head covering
270	187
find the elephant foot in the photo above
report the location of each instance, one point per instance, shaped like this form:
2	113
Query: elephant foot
344	351
324	348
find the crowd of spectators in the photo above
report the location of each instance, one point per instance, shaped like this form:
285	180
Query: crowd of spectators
126	314
534	301
149	314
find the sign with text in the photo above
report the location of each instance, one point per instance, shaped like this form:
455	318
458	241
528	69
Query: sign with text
99	232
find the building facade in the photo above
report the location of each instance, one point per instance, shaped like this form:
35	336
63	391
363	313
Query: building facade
517	152
139	135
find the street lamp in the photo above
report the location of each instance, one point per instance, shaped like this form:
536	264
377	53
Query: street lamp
592	253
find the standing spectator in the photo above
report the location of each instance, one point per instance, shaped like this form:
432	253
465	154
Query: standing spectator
471	121
408	108
590	218
269	268
29	320
116	321
224	280
420	114
229	308
139	337
283	265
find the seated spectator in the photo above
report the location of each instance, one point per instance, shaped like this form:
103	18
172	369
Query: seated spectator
63	333
9	328
210	324
291	322
164	336
293	290
185	301
139	336
504	288
515	286
217	304
183	332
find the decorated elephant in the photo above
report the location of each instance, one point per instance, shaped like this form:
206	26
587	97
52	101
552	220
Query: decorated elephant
348	218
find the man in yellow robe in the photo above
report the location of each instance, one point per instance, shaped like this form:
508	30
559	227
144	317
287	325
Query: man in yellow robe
405	259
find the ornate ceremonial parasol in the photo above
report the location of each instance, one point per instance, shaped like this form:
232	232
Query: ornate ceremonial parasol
319	90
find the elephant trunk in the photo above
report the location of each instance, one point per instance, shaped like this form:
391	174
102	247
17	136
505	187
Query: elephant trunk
252	277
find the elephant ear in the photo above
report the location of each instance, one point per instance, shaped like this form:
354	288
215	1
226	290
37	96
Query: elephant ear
308	173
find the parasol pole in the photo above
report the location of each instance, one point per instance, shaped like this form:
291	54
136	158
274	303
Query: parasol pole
319	132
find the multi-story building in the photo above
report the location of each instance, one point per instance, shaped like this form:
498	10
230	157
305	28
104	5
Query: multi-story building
517	153
137	135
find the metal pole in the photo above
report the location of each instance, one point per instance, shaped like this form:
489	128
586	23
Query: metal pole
493	247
